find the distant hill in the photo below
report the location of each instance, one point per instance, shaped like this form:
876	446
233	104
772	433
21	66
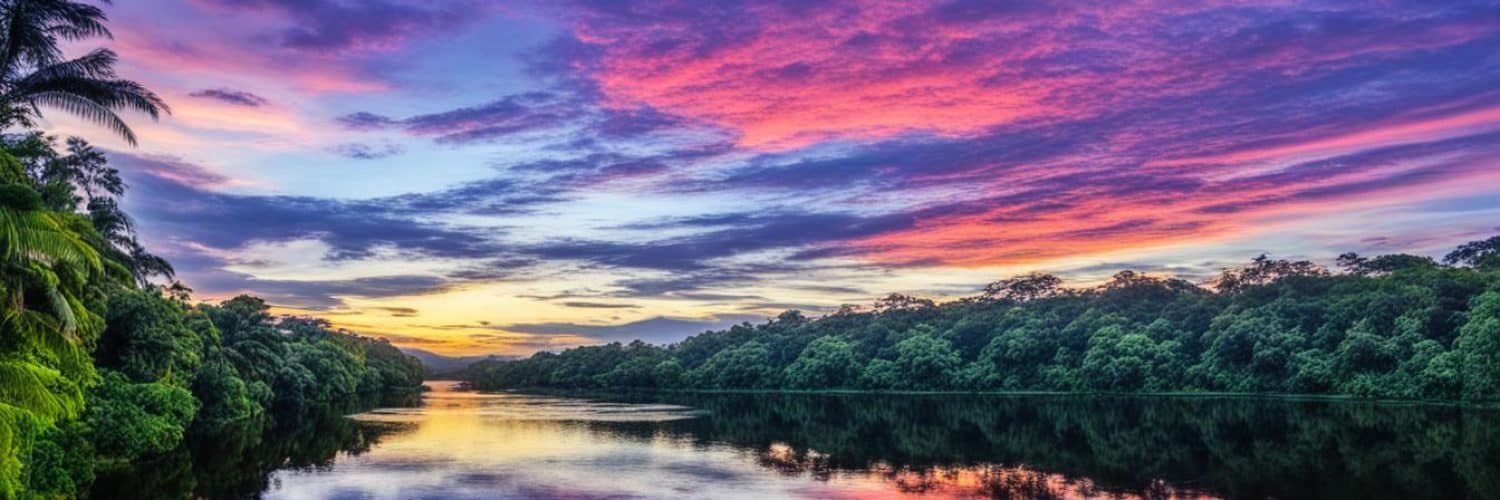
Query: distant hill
437	363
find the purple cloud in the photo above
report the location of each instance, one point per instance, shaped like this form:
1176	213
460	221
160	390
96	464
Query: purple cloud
508	116
231	96
334	25
361	151
659	330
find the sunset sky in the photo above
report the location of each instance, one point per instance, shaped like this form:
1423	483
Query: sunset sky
484	177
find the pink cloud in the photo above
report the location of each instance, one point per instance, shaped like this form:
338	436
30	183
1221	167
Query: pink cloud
785	76
219	58
1172	122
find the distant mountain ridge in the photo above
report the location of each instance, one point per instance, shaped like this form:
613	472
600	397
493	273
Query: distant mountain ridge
437	363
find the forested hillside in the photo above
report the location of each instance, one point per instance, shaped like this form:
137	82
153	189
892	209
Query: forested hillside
1393	326
101	362
99	367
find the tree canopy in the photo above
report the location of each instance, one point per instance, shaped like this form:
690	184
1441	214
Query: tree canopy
1391	326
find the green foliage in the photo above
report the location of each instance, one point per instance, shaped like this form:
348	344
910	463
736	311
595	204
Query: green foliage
1479	347
74	284
1121	361
880	374
19	431
668	373
827	361
237	460
225	397
744	366
637	371
134	420
62	461
148	338
925	362
1391	327
52	282
289	363
74	281
1481	254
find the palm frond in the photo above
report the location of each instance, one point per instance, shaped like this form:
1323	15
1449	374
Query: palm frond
39	236
85	108
76	21
85	86
98	63
43	391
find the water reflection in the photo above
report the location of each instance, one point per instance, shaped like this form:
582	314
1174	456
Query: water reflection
1043	446
237	460
470	445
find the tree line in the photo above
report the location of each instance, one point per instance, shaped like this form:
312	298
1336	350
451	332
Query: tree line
1390	326
103	360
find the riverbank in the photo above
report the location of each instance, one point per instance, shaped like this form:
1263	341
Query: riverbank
1153	395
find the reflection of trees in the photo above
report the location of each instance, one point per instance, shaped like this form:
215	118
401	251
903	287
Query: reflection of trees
1145	446
236	461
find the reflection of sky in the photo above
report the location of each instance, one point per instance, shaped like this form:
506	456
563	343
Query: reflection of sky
470	445
591	166
465	445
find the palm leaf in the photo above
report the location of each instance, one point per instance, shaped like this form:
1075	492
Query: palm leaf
41	390
85	108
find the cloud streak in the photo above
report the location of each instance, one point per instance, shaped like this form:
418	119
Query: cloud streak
655	330
362	151
331	25
231	96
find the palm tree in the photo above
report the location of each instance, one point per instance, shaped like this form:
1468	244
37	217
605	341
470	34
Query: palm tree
83	178
55	267
92	171
34	73
48	273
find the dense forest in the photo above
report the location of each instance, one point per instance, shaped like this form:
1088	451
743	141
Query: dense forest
103	360
1392	326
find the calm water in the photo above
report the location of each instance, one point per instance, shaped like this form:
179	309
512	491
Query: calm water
471	445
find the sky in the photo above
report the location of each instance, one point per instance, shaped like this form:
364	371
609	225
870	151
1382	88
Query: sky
506	177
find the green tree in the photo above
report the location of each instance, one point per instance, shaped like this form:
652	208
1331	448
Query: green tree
50	287
134	420
35	74
1125	361
1393	326
638	371
1264	270
880	374
1384	264
1483	254
668	373
224	396
926	362
826	362
1023	288
1479	345
744	366
147	337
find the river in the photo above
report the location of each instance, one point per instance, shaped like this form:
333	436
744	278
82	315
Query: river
461	444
